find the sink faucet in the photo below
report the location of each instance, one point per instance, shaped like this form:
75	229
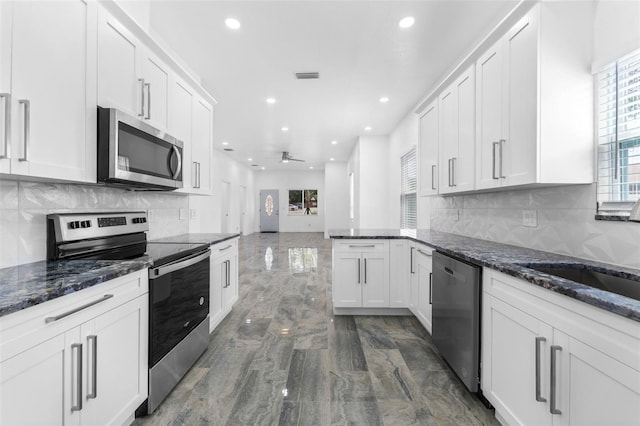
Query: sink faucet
635	212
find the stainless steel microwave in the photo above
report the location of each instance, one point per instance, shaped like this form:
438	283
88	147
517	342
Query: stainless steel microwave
135	155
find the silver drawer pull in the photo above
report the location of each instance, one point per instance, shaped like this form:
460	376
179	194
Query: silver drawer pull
227	247
553	408
78	309
424	253
362	246
539	397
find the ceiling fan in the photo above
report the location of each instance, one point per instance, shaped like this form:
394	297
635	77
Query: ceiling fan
286	157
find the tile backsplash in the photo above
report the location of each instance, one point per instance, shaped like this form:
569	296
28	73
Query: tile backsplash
564	216
24	206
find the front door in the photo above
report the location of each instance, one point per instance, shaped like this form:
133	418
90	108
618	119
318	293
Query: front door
269	218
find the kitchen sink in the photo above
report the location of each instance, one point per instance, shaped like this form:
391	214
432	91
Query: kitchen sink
599	280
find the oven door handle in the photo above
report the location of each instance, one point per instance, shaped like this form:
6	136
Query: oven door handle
171	267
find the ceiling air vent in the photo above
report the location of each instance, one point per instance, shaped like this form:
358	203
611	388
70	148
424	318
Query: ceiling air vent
307	75
228	149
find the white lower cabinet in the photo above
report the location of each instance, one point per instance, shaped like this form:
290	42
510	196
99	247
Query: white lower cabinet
361	274
423	277
224	280
400	271
87	367
548	361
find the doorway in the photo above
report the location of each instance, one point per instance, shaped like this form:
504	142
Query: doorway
225	201
269	212
242	207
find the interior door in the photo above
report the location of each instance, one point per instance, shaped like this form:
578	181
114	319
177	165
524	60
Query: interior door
242	201
269	217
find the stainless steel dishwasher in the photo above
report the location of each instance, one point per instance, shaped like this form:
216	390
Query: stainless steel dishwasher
456	316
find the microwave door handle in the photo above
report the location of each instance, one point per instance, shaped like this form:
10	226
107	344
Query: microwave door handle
176	151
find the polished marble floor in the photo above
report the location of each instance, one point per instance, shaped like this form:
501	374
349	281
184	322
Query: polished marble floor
282	358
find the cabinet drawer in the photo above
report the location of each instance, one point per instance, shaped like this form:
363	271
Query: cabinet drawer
362	246
224	247
24	329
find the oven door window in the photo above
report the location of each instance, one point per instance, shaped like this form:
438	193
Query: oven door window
143	153
179	302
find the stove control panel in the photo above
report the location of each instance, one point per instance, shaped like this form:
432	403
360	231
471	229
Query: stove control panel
80	226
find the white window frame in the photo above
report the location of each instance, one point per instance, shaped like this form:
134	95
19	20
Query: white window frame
618	135
409	190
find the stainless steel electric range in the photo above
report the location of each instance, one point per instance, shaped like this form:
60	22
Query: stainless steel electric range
178	286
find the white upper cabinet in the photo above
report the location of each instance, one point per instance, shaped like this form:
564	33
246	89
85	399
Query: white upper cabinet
130	77
457	135
47	82
535	101
180	123
428	151
201	147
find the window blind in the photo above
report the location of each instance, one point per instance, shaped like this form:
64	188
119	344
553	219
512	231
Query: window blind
409	188
619	132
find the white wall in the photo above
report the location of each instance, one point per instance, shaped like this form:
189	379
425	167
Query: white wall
336	205
283	181
209	209
617	30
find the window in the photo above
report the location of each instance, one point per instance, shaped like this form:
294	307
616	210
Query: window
409	186
619	134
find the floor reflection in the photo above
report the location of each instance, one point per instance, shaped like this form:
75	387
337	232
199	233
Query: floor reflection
268	258
303	260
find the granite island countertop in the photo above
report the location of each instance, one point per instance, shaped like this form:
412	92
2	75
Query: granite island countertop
30	284
197	238
514	261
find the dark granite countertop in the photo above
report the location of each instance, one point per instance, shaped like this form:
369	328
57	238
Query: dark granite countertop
30	284
197	238
514	261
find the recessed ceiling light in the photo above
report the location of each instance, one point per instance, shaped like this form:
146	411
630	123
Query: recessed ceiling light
249	159
332	159
263	167
406	22
271	100
334	142
285	129
367	128
225	143
231	23
384	100
311	167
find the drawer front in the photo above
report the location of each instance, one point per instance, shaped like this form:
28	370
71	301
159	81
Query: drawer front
362	246
224	248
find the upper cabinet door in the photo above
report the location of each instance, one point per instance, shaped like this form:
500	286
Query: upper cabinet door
156	91
428	165
52	89
520	145
201	147
120	82
180	126
489	109
5	86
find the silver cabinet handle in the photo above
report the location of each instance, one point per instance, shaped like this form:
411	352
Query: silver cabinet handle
195	174
411	261
93	339
78	309
450	173
27	128
539	397
430	288
502	142
424	253
171	267
228	269
362	246
493	159
77	347
554	386
148	86
227	247
141	113
453	171
433	177
358	270
365	270
7	124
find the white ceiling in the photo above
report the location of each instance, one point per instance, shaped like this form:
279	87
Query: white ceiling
356	46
